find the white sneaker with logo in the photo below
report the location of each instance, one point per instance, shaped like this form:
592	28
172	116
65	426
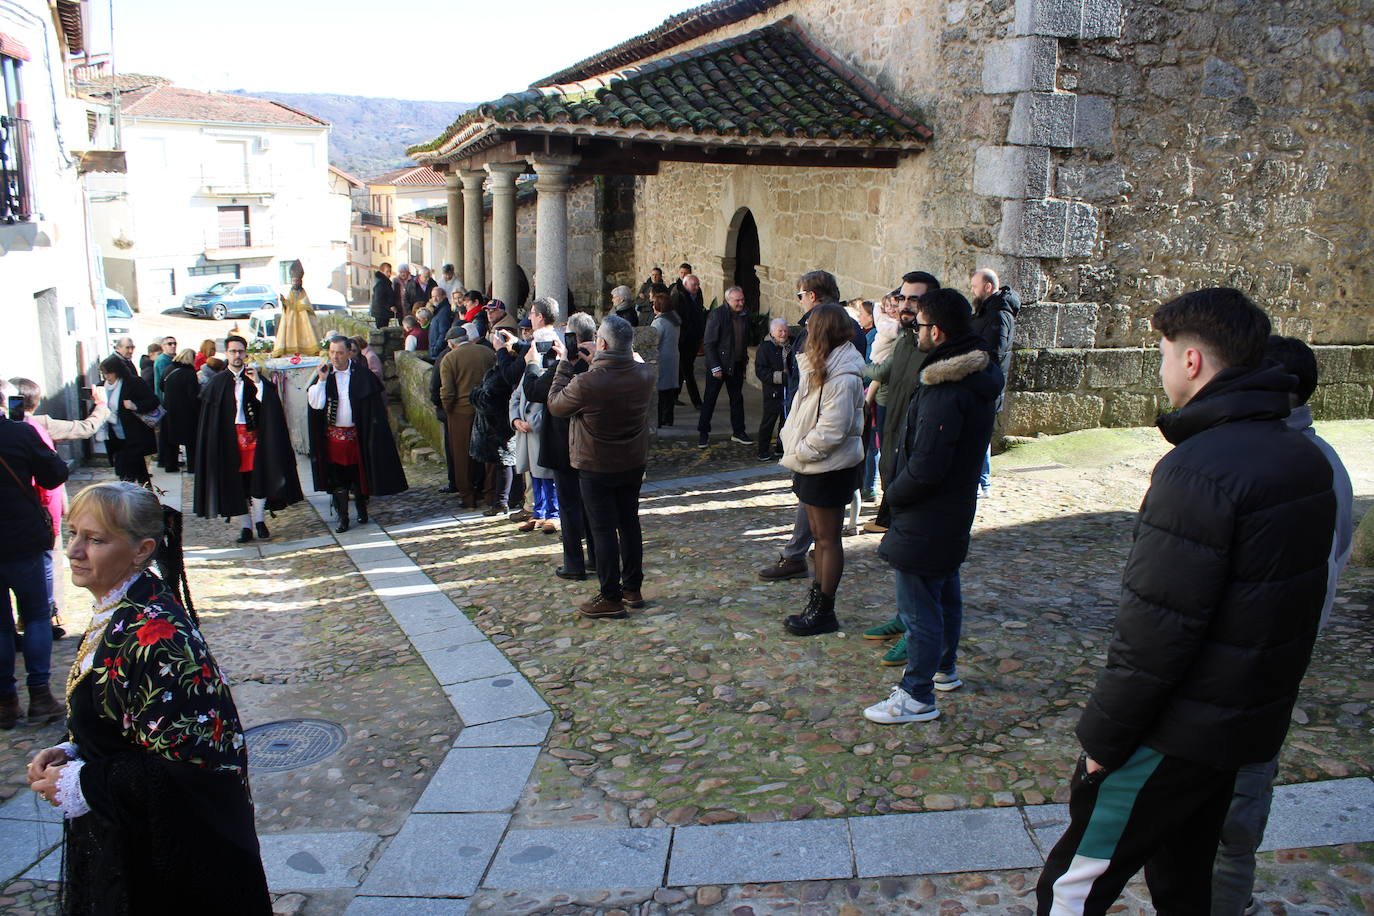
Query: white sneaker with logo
900	707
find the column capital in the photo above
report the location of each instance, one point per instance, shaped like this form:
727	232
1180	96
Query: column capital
505	172
473	178
453	181
553	173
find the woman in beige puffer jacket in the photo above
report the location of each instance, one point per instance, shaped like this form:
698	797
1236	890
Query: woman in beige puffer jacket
822	443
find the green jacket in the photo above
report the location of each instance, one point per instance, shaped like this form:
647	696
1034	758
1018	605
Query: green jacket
899	375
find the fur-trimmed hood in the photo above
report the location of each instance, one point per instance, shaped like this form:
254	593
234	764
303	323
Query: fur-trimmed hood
954	368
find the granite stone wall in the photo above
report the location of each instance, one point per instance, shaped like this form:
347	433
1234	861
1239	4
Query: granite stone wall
1233	150
1061	389
413	372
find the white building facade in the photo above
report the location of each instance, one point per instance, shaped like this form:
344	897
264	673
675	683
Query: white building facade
54	331
220	187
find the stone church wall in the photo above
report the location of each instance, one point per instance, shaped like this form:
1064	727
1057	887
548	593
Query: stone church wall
867	226
1229	147
1103	155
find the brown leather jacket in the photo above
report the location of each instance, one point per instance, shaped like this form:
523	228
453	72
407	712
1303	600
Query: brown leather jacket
609	407
460	371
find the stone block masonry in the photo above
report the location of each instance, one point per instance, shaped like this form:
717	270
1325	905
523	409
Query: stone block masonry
1058	390
414	372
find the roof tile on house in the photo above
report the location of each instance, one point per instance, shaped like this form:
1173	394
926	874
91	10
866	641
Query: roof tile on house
105	86
773	86
172	103
414	176
672	32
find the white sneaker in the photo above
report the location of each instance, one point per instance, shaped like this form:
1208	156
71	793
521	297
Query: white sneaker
900	707
948	681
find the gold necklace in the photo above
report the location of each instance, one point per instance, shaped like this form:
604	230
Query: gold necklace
102	612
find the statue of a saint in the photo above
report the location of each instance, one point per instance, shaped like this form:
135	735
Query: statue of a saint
296	329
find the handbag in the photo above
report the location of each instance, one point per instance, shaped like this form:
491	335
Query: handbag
153	417
42	509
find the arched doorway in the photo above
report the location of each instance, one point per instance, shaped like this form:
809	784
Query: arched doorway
742	257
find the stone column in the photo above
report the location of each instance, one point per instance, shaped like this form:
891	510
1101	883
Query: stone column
474	265
505	279
453	184
553	177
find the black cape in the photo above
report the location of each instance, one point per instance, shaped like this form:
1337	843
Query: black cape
219	485
181	400
381	469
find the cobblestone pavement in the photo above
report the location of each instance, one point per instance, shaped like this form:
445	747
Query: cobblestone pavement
698	710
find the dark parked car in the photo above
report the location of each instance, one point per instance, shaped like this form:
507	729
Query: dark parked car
229	299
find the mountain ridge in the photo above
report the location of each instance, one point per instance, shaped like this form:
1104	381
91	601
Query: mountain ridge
369	135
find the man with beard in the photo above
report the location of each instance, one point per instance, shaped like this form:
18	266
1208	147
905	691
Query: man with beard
994	320
351	446
243	450
900	373
932	496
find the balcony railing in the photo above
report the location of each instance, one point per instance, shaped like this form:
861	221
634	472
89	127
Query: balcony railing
373	219
255	181
238	237
16	186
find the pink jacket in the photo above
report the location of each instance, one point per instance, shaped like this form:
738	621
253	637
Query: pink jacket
54	500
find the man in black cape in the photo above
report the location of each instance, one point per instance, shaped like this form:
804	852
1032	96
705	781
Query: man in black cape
351	446
243	450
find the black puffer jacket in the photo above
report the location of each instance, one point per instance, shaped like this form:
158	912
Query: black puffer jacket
933	492
996	324
491	429
1224	586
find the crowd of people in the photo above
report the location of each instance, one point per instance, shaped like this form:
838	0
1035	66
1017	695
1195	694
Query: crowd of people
1239	545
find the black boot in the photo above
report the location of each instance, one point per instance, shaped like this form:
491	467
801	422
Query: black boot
341	510
263	533
244	537
361	502
816	618
9	711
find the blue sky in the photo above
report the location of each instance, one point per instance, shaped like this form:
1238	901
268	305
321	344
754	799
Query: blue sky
342	46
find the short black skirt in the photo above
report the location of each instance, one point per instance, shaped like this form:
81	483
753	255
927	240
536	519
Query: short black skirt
829	489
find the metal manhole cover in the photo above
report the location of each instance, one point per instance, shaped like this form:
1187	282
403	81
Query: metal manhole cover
291	744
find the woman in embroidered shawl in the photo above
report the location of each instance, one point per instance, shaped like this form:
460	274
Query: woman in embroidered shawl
153	779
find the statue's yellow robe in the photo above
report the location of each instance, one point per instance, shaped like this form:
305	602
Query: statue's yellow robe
296	329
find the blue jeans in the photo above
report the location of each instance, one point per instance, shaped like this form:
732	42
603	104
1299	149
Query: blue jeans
985	479
870	476
545	497
932	610
25	578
